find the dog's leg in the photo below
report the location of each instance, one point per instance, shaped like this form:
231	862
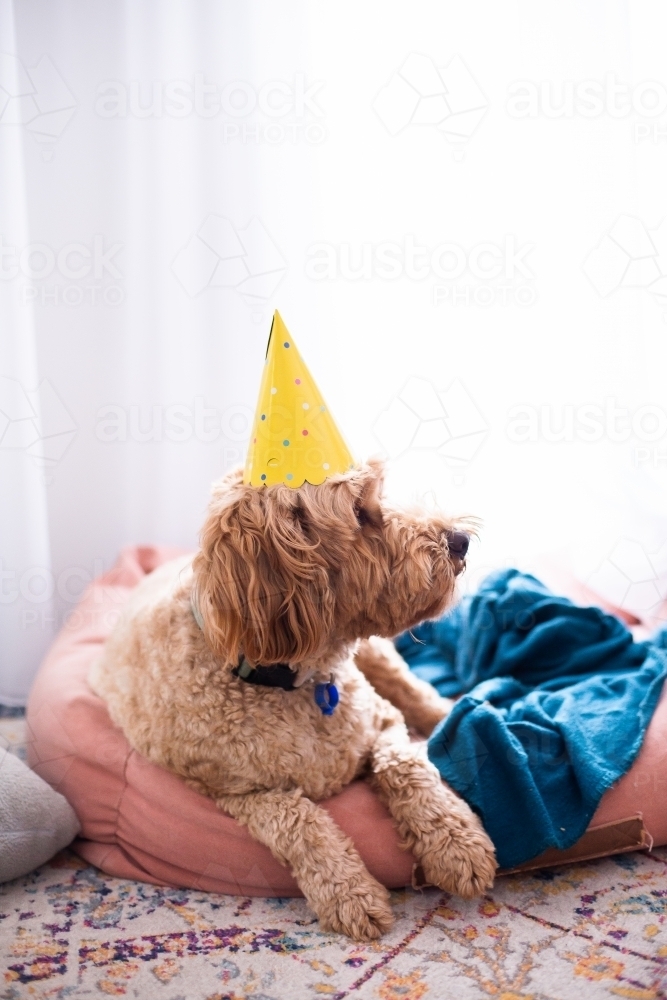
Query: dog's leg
384	668
324	862
438	827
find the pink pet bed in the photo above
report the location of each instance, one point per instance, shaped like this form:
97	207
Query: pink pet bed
141	822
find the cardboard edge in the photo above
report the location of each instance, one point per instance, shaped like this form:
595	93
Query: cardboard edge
601	841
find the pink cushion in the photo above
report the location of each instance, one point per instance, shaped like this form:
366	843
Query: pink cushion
139	821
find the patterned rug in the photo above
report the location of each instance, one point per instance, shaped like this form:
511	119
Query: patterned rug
589	930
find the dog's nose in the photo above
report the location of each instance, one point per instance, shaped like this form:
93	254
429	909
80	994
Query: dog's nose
458	543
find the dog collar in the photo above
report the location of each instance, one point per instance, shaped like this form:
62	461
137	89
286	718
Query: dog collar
194	608
276	675
282	676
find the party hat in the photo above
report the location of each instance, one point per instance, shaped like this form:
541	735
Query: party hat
294	438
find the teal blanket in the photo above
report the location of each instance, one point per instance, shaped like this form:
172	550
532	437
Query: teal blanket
555	702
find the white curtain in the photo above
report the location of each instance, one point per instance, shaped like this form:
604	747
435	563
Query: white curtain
26	600
458	209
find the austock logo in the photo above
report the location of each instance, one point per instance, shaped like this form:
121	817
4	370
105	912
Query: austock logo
630	256
218	255
447	98
500	271
35	97
635	580
35	421
74	274
422	418
273	112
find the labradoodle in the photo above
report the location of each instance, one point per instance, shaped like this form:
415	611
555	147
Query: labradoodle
242	671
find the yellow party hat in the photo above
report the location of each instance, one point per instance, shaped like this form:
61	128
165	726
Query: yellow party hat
294	438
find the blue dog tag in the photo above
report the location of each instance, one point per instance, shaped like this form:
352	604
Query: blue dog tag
326	697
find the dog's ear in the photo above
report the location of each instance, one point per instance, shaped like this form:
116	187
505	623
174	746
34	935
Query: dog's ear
262	581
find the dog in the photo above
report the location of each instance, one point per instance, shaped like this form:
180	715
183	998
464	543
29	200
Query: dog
226	669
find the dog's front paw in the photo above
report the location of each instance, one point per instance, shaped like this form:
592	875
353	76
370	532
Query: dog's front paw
462	861
361	911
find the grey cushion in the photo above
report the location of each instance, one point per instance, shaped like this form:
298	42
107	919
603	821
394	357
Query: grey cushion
35	821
